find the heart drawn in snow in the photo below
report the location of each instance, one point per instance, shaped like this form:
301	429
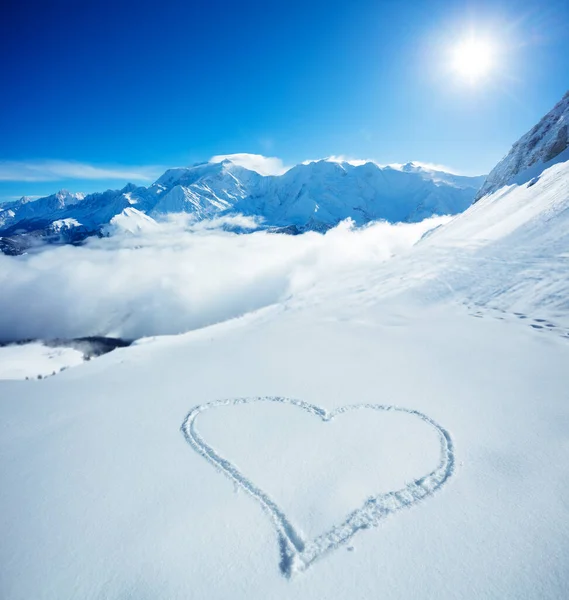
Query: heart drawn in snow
296	553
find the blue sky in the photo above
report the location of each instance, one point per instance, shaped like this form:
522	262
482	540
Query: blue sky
95	94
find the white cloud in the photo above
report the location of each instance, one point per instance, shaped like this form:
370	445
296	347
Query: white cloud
356	162
426	165
264	165
57	170
181	275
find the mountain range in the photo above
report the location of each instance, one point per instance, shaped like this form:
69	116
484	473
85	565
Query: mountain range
314	195
374	428
310	196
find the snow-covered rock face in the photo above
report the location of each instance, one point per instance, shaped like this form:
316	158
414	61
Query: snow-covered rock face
320	194
544	145
130	220
312	196
439	176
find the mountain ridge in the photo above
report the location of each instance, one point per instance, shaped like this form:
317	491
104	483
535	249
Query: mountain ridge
309	196
545	144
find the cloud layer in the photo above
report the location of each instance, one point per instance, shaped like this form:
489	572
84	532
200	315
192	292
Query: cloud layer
264	165
179	276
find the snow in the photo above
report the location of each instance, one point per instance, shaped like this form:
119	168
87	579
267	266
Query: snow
543	146
333	495
374	412
316	195
109	492
65	224
438	174
514	243
321	194
264	165
30	360
117	503
130	220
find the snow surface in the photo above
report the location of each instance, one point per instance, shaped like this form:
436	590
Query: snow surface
438	174
62	224
130	220
108	492
264	165
23	361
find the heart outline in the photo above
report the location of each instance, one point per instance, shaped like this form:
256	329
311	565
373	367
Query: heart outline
297	554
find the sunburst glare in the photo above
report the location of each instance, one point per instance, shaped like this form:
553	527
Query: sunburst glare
473	59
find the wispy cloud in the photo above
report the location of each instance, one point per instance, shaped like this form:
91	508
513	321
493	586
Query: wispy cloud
428	166
355	162
59	170
264	165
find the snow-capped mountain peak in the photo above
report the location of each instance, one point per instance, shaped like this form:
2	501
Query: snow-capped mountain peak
544	145
439	174
67	198
262	165
312	195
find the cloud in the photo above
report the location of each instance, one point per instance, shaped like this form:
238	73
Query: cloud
264	165
428	166
179	275
355	162
58	170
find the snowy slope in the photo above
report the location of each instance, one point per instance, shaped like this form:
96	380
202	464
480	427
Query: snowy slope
397	429
508	253
205	189
104	496
310	196
43	208
130	220
36	360
437	175
322	193
544	145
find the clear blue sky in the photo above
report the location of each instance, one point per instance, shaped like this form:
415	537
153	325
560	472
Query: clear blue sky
128	87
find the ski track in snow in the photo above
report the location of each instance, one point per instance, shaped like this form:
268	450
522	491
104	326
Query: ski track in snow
297	554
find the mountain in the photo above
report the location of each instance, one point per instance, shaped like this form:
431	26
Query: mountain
312	196
544	145
391	429
26	209
320	194
438	175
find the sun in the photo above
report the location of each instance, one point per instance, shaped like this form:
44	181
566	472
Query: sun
473	59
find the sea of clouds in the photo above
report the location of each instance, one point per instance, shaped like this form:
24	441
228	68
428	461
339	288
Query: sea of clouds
171	277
